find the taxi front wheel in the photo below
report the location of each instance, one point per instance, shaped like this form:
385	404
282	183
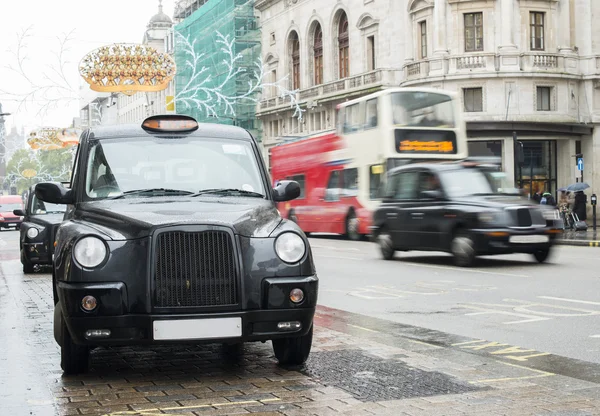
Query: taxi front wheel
463	249
74	359
293	351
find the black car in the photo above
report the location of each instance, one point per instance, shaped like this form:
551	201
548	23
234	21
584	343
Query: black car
172	235
40	220
461	209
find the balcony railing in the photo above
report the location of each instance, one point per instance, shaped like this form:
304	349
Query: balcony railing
351	84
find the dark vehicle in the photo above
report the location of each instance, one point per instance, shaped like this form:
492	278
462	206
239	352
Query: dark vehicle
40	220
8	204
172	235
463	209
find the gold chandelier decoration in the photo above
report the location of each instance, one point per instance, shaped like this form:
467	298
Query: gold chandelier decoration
52	138
127	68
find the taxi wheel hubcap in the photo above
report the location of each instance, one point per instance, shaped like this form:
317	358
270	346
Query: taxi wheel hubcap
385	243
462	248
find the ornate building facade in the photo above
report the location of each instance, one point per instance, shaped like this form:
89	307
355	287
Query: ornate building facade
528	69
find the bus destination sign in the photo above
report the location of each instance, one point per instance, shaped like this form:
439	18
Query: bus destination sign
425	141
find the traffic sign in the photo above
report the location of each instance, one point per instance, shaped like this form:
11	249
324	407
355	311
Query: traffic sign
580	164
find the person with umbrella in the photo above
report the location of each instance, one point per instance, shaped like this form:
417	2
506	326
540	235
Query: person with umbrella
580	201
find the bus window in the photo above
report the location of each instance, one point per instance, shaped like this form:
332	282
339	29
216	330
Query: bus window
375	172
371	113
422	109
353	119
350	182
301	181
332	193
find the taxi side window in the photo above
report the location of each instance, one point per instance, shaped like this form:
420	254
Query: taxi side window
429	181
405	186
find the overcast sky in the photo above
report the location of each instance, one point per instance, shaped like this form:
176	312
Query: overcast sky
94	24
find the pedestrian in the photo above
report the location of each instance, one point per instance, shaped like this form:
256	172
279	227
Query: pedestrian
548	199
580	205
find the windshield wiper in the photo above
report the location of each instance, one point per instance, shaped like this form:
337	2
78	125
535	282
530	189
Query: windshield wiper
153	190
229	191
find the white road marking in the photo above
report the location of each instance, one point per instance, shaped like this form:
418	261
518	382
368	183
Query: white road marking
594	336
458	269
484	311
586	302
360	327
341	257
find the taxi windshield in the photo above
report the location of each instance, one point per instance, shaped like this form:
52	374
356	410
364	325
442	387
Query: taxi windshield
177	166
470	182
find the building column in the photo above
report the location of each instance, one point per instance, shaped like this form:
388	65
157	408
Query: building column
410	49
508	159
583	30
564	27
509	53
439	17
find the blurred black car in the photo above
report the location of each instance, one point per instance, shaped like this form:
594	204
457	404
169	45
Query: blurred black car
460	208
40	220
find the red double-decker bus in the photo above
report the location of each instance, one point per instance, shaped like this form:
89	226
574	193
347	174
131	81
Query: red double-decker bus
340	171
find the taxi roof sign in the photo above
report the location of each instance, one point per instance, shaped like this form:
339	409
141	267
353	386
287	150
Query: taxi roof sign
170	123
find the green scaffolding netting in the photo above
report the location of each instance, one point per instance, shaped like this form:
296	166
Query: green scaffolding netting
235	19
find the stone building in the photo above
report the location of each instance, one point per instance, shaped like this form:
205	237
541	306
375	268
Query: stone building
524	68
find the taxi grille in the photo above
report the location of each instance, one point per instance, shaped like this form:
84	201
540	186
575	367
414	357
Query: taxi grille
523	217
195	269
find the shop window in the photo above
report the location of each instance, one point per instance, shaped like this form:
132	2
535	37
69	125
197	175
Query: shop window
538	171
473	99
473	32
489	148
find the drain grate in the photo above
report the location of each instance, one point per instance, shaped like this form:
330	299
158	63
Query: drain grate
370	378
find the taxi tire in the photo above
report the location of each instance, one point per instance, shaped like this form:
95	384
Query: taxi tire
387	251
542	255
74	359
293	351
463	249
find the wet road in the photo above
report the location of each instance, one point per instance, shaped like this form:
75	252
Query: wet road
550	308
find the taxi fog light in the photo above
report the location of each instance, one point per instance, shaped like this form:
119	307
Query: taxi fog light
89	303
97	333
289	326
296	295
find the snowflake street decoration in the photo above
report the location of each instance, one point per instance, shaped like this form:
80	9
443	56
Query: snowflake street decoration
31	169
50	92
127	68
197	94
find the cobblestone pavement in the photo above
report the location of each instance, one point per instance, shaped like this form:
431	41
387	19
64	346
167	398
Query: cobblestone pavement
356	368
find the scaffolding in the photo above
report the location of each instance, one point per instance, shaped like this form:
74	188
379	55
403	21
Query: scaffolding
202	21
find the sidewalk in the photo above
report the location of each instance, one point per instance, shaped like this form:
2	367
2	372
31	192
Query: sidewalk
589	238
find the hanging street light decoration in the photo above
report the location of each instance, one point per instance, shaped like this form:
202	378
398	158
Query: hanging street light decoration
52	138
127	68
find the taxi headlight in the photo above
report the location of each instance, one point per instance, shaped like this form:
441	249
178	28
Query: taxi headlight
32	232
290	247
90	251
551	214
493	218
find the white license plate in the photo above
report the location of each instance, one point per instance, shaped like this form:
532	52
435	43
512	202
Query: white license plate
529	239
197	328
12	225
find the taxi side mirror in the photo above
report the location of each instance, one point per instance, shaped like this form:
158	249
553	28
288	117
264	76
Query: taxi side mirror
286	191
54	192
19	212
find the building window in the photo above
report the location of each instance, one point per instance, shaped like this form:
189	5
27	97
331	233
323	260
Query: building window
344	47
370	53
536	24
544	102
295	44
318	51
423	38
473	98
473	32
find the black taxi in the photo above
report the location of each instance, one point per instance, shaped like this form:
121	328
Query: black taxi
40	221
172	235
461	208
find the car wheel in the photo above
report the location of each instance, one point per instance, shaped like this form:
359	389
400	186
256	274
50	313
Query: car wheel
463	249
384	240
293	351
352	227
74	359
542	255
27	265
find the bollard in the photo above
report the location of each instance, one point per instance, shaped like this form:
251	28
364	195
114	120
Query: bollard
594	200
